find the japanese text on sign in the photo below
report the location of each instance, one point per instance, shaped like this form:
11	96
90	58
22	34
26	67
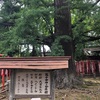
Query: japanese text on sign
32	83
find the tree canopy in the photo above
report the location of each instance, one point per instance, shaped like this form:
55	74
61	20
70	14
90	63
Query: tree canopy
31	22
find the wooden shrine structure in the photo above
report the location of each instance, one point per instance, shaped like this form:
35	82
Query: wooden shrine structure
91	64
32	77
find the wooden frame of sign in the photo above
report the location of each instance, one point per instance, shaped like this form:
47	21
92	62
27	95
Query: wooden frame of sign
31	84
21	65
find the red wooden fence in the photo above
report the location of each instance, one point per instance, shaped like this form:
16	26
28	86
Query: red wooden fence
88	67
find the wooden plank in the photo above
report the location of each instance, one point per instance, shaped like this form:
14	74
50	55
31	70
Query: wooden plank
56	61
36	67
34	63
11	86
35	58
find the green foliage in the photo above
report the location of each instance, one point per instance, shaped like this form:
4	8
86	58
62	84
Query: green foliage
79	53
29	21
85	21
56	48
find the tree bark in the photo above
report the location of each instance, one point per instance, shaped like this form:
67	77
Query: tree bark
63	27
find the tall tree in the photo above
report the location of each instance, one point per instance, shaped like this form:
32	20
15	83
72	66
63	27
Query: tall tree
14	22
50	22
63	29
81	30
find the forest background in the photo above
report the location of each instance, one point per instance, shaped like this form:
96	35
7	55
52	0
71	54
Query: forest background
65	26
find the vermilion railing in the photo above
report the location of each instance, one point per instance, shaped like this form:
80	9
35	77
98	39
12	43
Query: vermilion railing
88	67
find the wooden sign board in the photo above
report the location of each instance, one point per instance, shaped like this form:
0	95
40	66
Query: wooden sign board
32	84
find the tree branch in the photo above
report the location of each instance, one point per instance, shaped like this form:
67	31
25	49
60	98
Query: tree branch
90	39
7	24
82	18
96	3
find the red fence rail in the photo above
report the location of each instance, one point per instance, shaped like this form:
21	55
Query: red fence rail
88	67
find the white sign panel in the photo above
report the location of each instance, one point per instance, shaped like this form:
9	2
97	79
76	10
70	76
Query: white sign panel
32	83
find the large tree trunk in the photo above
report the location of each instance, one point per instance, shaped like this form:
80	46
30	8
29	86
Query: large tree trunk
63	27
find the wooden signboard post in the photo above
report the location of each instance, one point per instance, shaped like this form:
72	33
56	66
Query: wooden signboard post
33	77
32	84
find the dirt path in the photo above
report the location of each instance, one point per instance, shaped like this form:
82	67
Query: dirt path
90	90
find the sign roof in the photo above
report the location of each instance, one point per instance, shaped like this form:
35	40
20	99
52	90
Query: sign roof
43	63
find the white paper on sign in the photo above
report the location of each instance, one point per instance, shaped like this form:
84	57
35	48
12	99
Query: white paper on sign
36	99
